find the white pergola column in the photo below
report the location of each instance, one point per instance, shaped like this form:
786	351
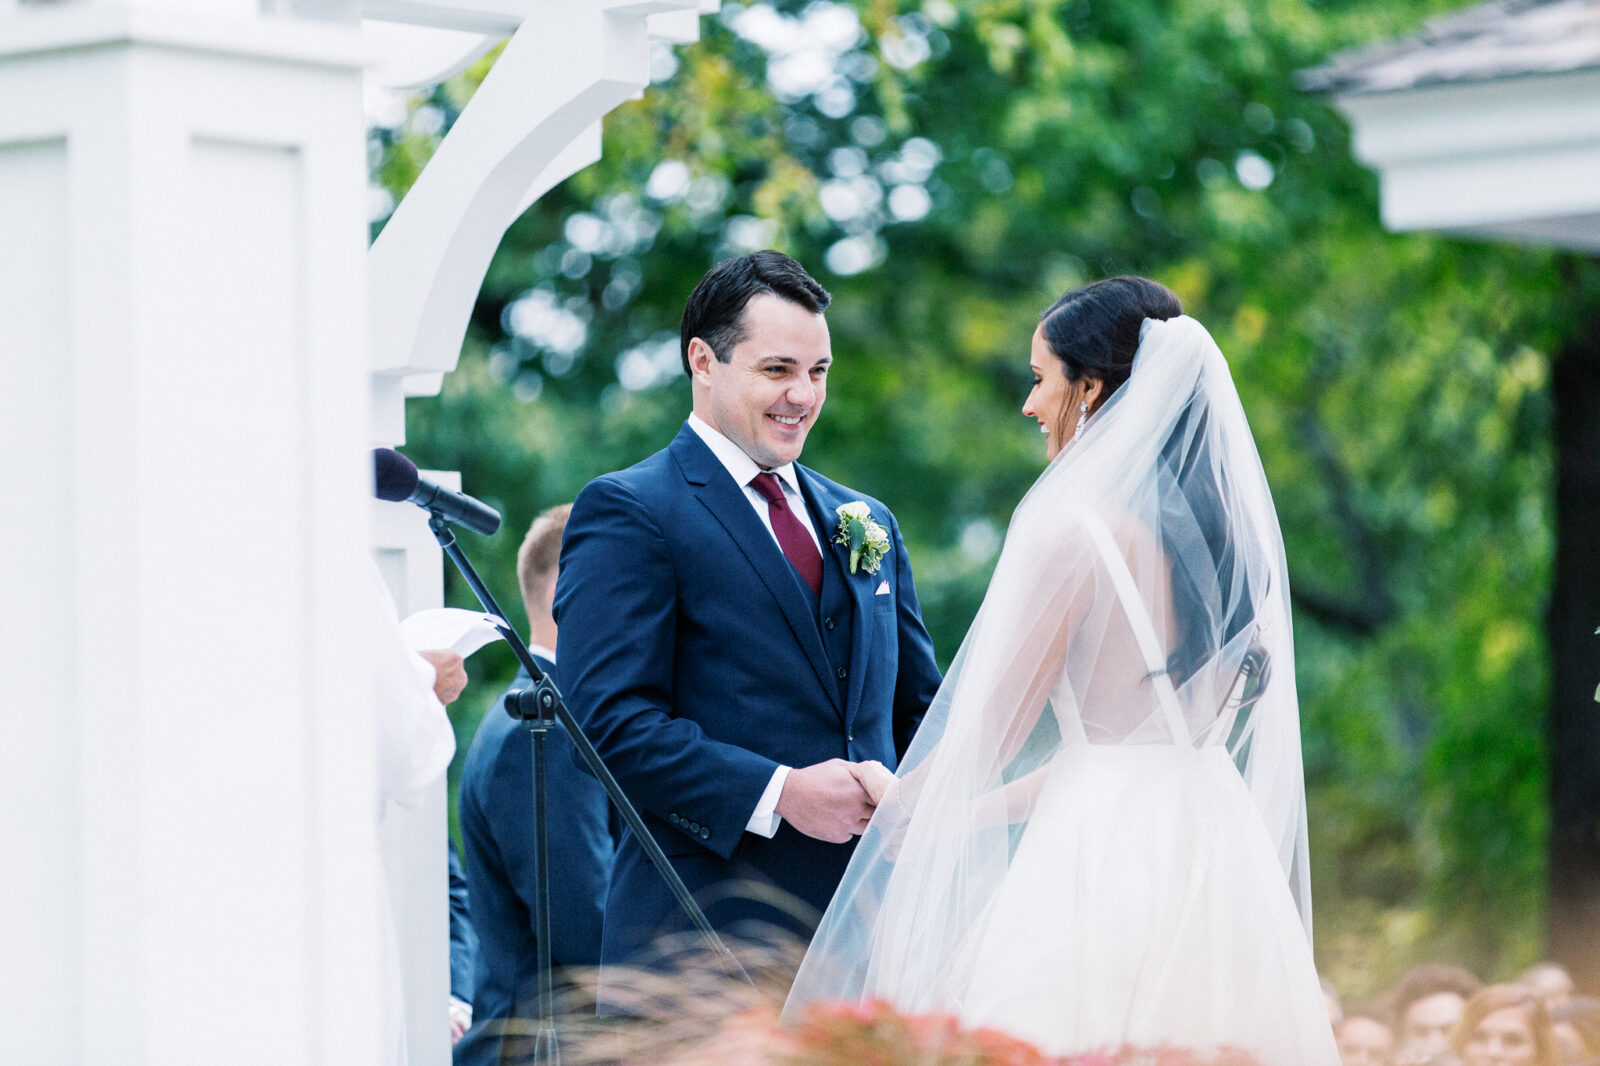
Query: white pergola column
188	746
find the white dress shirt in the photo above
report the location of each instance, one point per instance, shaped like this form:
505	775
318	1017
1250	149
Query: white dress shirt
744	471
765	820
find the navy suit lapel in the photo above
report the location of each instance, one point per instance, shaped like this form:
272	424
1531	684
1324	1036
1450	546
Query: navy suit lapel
825	516
730	507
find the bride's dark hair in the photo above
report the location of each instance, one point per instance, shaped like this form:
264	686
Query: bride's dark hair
1094	331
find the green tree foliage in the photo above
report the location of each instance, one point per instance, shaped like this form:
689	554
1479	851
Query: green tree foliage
947	170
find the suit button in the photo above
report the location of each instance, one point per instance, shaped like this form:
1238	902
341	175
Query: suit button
674	819
705	834
850	736
843	673
827	623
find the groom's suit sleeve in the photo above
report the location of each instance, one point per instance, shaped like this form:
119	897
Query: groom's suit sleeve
616	608
918	677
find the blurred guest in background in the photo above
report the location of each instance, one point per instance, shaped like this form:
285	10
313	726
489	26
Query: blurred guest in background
1427	1003
463	950
1365	1037
1575	1025
1550	982
1504	1025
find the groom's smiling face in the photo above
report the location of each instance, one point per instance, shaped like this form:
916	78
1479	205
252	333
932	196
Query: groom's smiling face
766	397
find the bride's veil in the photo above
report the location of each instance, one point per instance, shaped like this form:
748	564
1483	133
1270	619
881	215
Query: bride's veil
1140	599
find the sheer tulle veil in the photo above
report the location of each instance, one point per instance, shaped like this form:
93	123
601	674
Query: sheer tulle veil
1140	598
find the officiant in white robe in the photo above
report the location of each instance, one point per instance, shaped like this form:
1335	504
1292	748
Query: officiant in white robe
415	743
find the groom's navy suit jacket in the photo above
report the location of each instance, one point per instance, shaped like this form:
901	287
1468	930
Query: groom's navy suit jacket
698	661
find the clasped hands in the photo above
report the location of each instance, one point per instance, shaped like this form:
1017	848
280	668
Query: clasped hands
834	800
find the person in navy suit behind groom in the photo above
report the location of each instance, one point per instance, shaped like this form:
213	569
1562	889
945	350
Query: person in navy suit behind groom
497	834
463	948
719	651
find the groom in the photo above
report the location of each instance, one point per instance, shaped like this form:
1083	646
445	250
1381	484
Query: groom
729	666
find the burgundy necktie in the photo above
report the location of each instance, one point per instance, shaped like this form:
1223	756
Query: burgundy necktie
796	543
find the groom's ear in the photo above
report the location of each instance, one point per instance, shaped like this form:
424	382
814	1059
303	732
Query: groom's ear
700	358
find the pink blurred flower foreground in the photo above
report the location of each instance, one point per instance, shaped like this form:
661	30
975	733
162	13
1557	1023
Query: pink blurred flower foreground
876	1034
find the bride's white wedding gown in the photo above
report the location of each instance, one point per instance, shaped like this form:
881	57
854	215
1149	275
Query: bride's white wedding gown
1144	903
1097	837
1164	923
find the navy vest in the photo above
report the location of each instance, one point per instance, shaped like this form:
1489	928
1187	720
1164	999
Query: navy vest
836	611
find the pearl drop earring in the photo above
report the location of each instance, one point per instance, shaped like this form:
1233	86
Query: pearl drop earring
1083	417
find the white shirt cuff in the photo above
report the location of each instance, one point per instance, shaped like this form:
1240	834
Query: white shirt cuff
765	821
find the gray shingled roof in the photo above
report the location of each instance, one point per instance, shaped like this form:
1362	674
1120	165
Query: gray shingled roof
1506	38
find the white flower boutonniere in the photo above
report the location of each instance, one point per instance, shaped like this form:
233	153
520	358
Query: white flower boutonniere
866	540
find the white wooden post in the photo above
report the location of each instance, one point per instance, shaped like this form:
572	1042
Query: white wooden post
186	401
188	741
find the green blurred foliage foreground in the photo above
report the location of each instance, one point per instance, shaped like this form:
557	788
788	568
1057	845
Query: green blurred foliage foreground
947	170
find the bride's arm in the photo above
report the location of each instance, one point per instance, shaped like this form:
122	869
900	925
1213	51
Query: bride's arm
882	784
1010	803
1013	802
1008	673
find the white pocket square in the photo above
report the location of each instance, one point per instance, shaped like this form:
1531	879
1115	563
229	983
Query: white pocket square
883	589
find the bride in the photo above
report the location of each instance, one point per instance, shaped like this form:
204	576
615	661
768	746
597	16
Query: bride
1098	836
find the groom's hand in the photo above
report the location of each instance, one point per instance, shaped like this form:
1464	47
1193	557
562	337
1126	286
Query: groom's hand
825	801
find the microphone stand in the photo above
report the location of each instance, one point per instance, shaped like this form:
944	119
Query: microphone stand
540	708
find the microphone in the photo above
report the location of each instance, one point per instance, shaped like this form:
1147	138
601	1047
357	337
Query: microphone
396	480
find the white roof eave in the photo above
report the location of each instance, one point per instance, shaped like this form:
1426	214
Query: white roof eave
1514	158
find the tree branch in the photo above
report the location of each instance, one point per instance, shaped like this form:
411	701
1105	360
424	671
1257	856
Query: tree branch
1368	607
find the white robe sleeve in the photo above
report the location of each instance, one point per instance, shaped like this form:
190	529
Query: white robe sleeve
415	738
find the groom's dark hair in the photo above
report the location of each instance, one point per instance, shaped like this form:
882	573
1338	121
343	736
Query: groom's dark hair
715	311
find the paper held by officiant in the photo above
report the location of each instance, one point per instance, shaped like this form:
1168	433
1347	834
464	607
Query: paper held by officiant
461	631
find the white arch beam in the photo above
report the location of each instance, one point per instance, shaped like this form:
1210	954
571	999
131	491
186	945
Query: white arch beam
533	122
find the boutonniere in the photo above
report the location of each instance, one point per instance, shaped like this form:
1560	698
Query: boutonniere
866	539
